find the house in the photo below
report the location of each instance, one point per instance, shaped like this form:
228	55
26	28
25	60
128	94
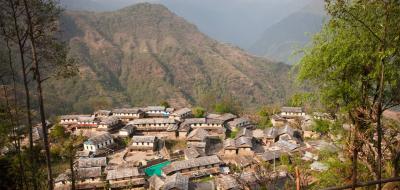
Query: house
159	127
173	182
97	142
126	131
124	177
287	133
192	152
292	111
62	180
224	118
278	120
244	132
244	145
239	123
128	114
269	156
213	126
83	154
197	135
227	182
157	111
143	143
109	123
87	122
193	168
89	177
102	113
270	135
69	119
92	162
181	114
241	146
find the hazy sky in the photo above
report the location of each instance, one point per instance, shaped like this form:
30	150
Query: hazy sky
240	22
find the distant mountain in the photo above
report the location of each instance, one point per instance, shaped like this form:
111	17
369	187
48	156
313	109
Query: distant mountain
240	22
280	40
144	54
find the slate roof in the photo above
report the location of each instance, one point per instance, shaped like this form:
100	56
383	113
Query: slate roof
127	128
152	121
99	139
244	142
271	133
181	111
154	108
127	110
176	181
285	145
145	139
156	182
102	112
197	135
69	117
92	162
85	173
227	182
226	117
201	121
86	119
121	173
192	152
270	155
244	132
229	144
292	109
109	120
197	162
237	121
277	117
285	130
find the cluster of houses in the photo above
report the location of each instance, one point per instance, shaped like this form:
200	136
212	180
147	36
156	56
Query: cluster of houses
210	148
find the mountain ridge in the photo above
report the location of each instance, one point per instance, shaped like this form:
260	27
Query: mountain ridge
144	54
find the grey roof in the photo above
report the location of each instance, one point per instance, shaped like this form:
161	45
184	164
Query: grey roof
145	139
226	117
71	116
181	111
292	109
154	108
229	144
121	173
201	121
65	176
152	121
198	134
244	132
238	121
258	133
85	173
127	128
83	153
102	112
109	120
99	139
127	110
271	132
156	182
319	166
92	162
197	144
244	142
176	181
285	145
192	152
270	155
285	130
86	119
196	162
277	117
227	182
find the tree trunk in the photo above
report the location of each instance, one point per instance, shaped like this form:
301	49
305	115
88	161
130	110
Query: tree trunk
40	96
27	93
71	166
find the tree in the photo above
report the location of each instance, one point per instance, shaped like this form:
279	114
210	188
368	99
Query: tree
354	63
198	112
165	104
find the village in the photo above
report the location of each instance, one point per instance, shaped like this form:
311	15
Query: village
168	148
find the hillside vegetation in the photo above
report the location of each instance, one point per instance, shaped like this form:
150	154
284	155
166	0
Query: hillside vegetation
144	54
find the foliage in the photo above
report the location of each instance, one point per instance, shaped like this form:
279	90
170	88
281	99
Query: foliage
198	112
232	134
58	132
165	104
321	126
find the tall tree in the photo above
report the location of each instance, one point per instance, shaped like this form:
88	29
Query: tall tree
354	62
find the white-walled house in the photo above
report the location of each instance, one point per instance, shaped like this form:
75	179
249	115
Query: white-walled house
126	131
97	142
108	123
143	143
157	111
69	119
181	114
128	114
292	111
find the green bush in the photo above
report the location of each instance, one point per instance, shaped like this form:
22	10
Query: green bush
198	112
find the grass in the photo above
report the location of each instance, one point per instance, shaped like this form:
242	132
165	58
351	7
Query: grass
173	145
204	179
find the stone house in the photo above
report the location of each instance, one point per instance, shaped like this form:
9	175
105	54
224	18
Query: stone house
102	113
70	119
181	114
92	162
212	126
109	123
126	177
87	122
143	143
126	131
157	111
173	182
239	123
278	120
160	127
98	142
227	182
128	114
193	168
292	111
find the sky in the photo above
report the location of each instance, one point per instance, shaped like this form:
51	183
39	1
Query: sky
239	22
